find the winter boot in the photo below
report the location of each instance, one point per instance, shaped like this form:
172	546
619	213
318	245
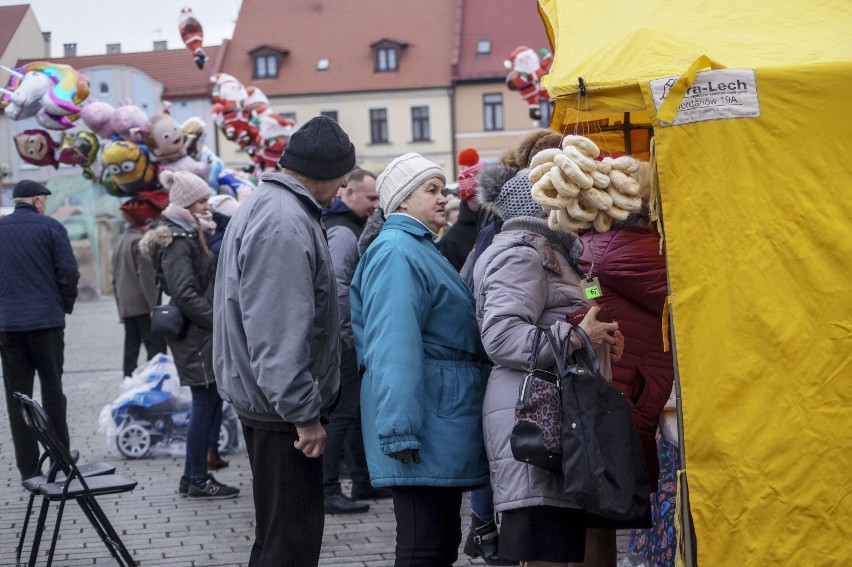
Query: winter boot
482	542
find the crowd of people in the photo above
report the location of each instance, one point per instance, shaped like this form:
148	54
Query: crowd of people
362	319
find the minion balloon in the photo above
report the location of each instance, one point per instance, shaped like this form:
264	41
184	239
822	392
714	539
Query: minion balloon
129	167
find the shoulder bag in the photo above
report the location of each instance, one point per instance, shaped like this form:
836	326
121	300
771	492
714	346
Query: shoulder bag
167	320
602	461
535	438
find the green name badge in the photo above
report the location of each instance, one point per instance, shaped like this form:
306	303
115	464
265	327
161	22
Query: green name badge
592	288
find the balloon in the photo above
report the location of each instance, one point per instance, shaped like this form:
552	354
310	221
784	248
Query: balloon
527	67
228	89
36	147
97	116
129	167
80	149
51	92
192	35
129	122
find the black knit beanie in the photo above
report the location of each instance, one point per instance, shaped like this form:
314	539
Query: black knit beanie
320	149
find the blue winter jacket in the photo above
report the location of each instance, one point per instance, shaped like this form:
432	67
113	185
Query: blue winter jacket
425	371
38	272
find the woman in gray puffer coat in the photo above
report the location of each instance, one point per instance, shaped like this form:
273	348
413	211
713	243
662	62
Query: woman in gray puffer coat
527	278
185	271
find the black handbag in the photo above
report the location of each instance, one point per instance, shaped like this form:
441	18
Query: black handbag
535	437
602	461
167	320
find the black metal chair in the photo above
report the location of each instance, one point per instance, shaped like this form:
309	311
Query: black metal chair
64	482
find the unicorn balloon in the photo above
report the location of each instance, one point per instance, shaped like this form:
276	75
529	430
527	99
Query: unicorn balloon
51	92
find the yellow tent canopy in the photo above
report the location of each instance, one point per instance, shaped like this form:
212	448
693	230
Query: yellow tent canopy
747	101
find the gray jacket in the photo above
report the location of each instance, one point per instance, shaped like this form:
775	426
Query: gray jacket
134	281
521	281
276	328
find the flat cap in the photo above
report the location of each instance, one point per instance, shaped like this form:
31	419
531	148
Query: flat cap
29	188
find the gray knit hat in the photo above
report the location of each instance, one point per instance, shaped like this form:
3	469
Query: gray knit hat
320	149
507	191
404	174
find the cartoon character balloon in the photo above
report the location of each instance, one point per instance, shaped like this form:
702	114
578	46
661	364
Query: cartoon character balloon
80	149
129	167
97	116
192	35
51	92
36	147
527	68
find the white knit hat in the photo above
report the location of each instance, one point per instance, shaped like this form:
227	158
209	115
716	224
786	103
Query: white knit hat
185	188
404	174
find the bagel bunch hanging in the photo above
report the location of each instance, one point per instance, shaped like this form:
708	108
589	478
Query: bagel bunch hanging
579	191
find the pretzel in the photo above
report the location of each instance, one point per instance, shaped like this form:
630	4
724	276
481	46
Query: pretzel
544	156
585	145
562	186
573	173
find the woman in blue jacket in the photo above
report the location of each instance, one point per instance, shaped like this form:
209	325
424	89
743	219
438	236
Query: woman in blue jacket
418	345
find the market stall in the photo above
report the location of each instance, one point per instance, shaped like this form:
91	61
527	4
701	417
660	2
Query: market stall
746	106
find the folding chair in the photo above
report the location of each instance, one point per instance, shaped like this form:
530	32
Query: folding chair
75	485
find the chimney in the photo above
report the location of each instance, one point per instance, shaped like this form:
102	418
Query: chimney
161	45
70	49
113	48
46	36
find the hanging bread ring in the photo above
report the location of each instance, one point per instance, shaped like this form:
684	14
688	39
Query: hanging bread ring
565	222
595	198
603	167
538	171
553	219
626	164
600	180
562	186
629	203
545	194
602	222
617	213
624	183
573	173
544	156
577	211
587	164
582	143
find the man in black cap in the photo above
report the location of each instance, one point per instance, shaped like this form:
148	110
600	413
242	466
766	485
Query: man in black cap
276	338
38	286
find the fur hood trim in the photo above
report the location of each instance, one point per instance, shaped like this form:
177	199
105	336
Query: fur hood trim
491	180
155	240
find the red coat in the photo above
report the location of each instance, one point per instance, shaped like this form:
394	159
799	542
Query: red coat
632	275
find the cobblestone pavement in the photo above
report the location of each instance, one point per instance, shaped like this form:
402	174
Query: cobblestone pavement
157	526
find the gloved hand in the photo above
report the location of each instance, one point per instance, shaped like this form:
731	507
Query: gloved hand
406	456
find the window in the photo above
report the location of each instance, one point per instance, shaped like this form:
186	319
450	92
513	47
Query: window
330	113
103	88
483	47
386	59
322	64
420	123
492	105
265	67
378	126
290	115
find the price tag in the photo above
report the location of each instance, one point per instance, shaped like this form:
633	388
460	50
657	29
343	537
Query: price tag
592	288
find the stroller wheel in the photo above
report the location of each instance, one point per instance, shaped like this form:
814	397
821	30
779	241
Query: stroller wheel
133	440
225	438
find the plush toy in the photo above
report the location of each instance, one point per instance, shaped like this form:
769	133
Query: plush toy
579	191
97	116
36	147
129	167
527	67
192	35
129	122
51	92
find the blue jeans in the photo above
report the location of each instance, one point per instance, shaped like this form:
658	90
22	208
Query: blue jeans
206	404
482	503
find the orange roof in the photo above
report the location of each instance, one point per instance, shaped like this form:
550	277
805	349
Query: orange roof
10	19
515	23
342	32
174	68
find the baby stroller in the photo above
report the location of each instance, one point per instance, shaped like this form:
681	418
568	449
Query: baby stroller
154	412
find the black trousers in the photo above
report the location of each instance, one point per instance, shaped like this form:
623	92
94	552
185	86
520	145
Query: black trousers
288	500
428	525
343	432
24	354
137	330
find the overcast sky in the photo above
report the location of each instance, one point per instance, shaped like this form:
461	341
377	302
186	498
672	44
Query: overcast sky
135	24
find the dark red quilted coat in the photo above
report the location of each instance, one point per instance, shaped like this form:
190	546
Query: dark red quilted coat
632	274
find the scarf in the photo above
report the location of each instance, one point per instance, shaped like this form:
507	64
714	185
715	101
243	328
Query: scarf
200	223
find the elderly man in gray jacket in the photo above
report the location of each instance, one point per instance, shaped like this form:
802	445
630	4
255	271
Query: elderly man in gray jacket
276	335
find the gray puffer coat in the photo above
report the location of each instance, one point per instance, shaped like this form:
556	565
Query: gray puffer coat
186	274
523	280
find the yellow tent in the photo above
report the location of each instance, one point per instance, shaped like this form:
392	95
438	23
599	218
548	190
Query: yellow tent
747	101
